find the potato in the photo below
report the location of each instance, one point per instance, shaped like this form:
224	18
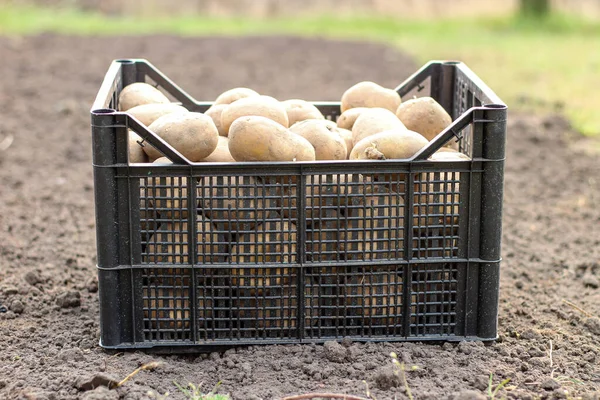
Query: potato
259	247
256	138
263	106
300	110
148	113
323	193
136	151
372	121
232	204
323	136
140	93
393	144
215	112
168	194
221	153
347	136
235	94
193	134
449	156
369	94
348	117
425	116
169	245
373	226
375	294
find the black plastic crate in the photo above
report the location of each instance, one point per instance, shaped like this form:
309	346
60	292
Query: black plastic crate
194	256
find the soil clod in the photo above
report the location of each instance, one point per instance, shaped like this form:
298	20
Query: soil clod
334	352
97	381
69	299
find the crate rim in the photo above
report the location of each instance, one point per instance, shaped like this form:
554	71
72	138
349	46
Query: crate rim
100	111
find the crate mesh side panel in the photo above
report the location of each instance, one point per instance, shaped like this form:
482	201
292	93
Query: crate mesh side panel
436	214
433	299
370	218
164	220
464	99
247	303
242	205
166	304
353	301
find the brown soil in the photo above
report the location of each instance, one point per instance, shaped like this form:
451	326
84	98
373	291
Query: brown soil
550	295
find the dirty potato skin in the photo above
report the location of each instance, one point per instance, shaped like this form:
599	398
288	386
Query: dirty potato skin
215	112
373	121
369	94
393	144
235	94
193	134
323	135
347	136
426	116
221	153
348	117
264	106
301	110
148	113
256	138
139	93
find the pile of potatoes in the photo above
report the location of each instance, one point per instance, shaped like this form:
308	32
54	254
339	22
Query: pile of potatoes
245	126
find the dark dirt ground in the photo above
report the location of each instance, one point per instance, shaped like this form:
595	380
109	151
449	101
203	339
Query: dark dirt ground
49	327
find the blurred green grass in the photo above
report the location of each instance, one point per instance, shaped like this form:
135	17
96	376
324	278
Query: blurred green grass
550	64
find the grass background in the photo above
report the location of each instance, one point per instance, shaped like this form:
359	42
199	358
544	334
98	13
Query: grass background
549	64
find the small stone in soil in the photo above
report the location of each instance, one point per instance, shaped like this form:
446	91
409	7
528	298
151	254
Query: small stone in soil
334	352
17	307
519	284
481	383
72	298
32	278
92	285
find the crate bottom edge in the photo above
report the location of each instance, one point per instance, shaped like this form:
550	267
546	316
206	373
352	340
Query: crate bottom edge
187	347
